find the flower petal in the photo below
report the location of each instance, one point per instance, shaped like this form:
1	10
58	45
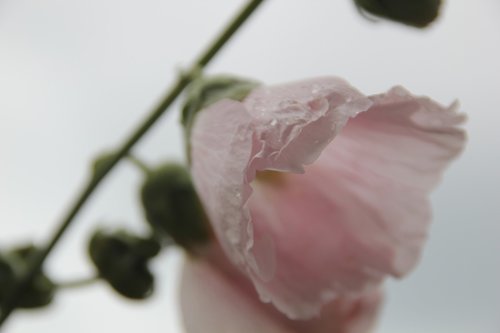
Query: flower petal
359	213
212	302
218	301
221	146
231	141
345	315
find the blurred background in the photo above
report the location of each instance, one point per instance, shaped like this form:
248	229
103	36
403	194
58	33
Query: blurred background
76	76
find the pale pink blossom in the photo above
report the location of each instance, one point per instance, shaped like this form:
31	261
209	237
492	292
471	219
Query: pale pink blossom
215	300
317	192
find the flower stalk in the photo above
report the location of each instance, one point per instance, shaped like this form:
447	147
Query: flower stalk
78	283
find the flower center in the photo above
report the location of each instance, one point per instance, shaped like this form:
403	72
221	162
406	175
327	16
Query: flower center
270	177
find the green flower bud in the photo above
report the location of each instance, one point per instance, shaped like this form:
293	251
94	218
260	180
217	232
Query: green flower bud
417	13
7	276
204	91
172	207
121	259
39	293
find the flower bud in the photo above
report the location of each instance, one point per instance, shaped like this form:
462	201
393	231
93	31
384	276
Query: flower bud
39	293
7	276
172	207
121	259
417	13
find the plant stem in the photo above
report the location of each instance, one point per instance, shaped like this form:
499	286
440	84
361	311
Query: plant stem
78	283
139	164
9	302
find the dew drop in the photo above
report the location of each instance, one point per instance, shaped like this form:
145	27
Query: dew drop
316	89
232	235
286	103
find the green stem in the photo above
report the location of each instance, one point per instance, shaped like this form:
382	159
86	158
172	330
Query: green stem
9	302
78	283
139	164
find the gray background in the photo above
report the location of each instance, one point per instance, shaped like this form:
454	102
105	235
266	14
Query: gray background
75	76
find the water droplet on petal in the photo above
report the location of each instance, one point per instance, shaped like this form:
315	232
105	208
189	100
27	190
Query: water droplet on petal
316	89
232	235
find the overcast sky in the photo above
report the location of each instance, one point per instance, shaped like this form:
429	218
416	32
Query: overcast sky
75	76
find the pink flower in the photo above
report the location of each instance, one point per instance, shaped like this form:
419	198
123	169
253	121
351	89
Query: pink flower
317	193
218	300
